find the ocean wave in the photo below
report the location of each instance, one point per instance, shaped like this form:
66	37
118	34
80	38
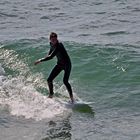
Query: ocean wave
23	100
19	95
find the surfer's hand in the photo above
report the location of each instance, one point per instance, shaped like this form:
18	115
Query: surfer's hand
37	62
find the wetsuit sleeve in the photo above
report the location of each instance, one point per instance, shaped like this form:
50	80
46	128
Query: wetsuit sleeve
50	55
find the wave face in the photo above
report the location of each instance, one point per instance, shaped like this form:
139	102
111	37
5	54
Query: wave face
107	75
21	87
110	73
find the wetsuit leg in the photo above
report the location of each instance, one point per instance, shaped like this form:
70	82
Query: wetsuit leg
67	71
56	70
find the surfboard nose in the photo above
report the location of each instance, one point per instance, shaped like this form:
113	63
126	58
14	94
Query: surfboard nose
83	108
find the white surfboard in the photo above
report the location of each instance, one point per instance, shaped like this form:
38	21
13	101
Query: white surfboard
79	106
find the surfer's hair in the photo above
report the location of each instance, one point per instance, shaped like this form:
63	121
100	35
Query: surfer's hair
53	34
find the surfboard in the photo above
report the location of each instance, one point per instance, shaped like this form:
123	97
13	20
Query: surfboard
79	106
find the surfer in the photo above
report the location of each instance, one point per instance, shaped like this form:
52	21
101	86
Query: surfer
63	63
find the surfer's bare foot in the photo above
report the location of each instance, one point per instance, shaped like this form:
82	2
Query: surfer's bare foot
50	96
72	100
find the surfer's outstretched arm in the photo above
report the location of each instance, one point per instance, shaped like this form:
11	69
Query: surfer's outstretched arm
48	57
41	60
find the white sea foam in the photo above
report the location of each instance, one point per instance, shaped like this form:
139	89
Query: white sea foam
18	94
2	72
24	100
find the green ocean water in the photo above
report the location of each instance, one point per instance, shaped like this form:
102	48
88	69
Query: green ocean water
106	75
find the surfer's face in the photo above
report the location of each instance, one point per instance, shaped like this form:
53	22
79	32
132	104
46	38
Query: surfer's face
53	40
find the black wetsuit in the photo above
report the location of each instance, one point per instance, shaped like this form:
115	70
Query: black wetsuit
63	63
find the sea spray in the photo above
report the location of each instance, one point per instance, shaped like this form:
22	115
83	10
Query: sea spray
19	94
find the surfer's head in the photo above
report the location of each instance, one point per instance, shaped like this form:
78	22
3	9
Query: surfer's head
53	35
53	38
